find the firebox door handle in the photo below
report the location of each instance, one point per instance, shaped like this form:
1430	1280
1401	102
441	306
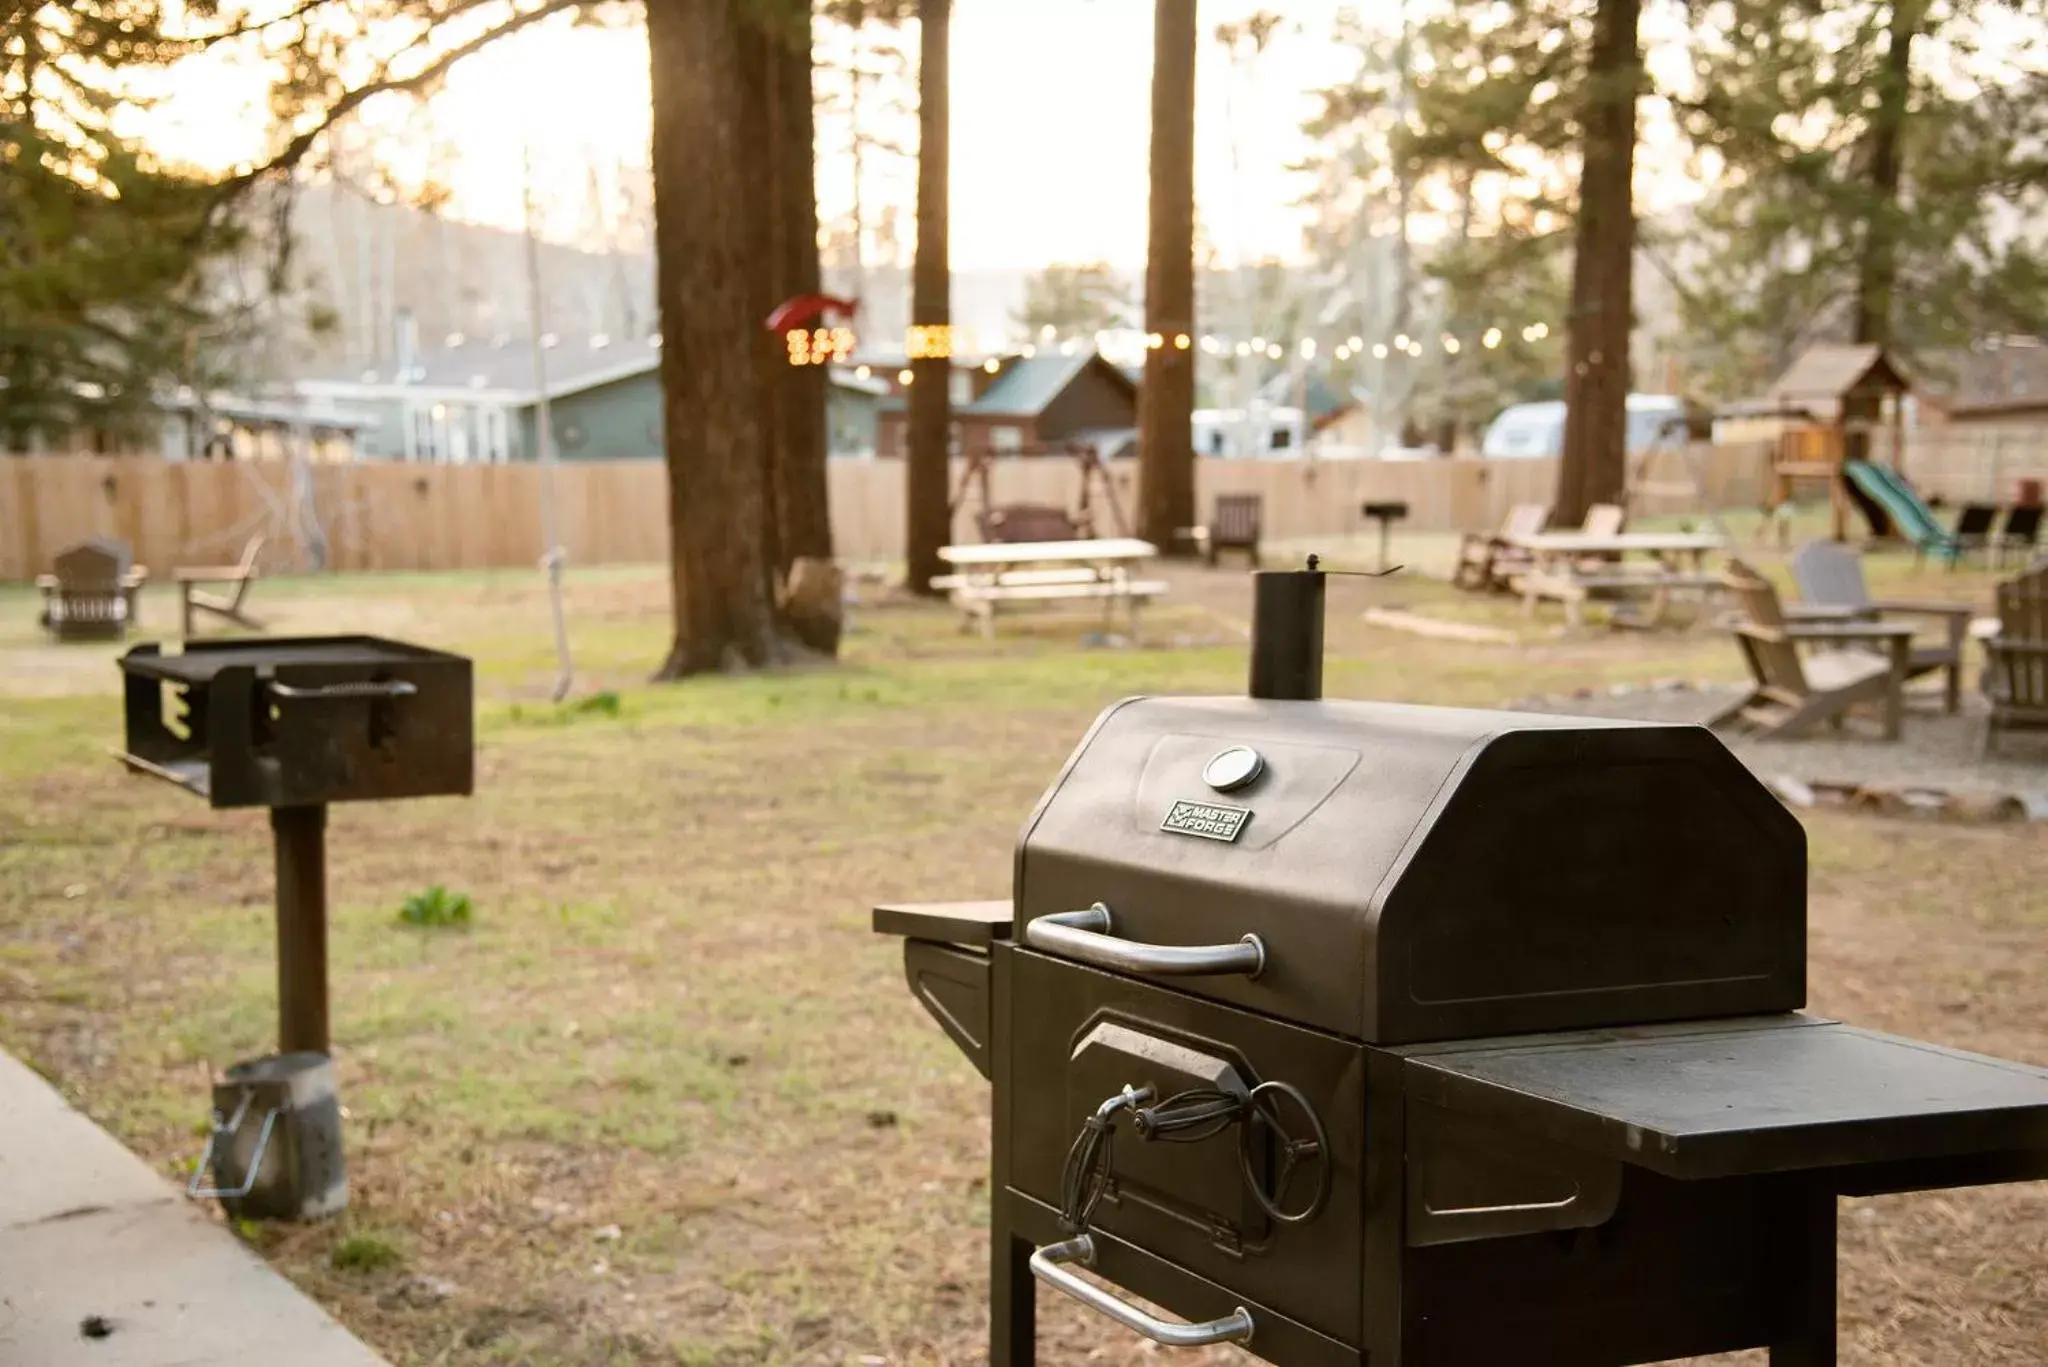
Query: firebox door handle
1087	936
1048	1265
381	688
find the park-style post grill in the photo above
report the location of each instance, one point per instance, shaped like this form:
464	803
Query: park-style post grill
294	724
1362	1033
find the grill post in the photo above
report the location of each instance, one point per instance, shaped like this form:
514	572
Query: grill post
299	837
1287	633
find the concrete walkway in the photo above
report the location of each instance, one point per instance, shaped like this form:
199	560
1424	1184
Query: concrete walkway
87	1229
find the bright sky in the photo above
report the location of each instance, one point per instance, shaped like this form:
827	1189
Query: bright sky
1050	108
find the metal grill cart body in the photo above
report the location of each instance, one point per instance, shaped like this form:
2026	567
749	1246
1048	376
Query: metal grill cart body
294	724
1480	1034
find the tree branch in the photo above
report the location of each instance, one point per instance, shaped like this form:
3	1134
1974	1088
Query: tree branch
295	150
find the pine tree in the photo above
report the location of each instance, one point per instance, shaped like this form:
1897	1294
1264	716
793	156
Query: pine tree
104	299
1503	267
1881	183
1074	301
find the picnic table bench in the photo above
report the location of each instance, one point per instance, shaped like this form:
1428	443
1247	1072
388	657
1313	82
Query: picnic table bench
1572	566
988	576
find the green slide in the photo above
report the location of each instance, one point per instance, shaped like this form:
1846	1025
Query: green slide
1908	512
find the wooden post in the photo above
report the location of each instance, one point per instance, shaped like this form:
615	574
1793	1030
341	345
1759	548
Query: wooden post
299	838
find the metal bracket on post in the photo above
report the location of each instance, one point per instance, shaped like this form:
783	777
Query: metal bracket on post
201	1193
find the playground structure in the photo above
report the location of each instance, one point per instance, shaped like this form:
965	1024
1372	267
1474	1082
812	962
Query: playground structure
1852	396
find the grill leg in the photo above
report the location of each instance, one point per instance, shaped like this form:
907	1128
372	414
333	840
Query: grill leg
299	837
1012	1299
1810	1291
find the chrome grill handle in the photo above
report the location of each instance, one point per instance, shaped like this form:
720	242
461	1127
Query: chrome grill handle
1048	1264
1088	936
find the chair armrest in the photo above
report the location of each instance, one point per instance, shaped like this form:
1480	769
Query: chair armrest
1826	612
46	582
1924	607
201	574
1826	631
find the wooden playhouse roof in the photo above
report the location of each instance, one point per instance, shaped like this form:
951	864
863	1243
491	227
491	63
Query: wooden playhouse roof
1833	371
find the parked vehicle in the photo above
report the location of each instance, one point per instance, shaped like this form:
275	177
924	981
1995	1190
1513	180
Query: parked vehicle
1533	431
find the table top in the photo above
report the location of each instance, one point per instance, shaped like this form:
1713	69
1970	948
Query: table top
1647	542
1019	552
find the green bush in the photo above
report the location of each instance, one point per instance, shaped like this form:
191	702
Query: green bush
436	907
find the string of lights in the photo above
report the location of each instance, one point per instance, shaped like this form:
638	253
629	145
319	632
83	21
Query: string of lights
836	346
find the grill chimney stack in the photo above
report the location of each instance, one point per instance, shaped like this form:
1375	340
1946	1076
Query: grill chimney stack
1287	633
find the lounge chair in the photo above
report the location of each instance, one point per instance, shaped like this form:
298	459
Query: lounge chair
1794	692
1832	587
2017	680
1486	559
239	578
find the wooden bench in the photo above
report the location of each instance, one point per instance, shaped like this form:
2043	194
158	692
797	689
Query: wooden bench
1015	522
1007	578
1573	589
979	601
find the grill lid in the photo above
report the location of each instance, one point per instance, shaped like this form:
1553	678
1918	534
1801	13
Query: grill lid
1419	873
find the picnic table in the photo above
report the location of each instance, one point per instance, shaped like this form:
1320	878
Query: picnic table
986	576
1570	566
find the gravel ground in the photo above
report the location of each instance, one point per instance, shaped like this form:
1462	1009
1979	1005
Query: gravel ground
1935	750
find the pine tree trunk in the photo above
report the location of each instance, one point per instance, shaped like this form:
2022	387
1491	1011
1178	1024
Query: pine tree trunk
927	474
1596	382
800	526
1166	400
1879	267
706	264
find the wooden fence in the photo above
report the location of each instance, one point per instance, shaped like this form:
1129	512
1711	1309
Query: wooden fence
426	517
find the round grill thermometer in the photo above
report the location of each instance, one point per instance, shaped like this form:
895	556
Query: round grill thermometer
1233	768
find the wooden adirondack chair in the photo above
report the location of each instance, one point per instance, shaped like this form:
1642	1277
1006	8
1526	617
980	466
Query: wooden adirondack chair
1235	526
238	577
1793	692
1831	583
2018	677
1485	559
93	594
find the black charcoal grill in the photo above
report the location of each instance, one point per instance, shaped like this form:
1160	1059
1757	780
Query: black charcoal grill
1361	1033
294	724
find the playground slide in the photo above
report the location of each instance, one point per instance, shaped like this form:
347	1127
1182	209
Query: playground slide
1873	511
1908	512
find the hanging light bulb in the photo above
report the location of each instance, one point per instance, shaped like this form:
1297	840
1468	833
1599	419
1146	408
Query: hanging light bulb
1357	344
904	376
1027	351
1308	348
1491	339
1276	351
861	372
991	365
1451	345
1258	344
1379	351
1154	341
1244	348
1181	341
1401	341
1210	346
1343	351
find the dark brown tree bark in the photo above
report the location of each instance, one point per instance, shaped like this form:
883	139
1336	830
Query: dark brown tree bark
1596	382
799	524
1166	401
1879	268
927	473
707	282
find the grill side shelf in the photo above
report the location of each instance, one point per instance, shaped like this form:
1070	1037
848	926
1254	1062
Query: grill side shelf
1791	1096
953	923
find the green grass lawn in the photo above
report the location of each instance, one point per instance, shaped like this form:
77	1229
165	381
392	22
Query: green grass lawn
664	1099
